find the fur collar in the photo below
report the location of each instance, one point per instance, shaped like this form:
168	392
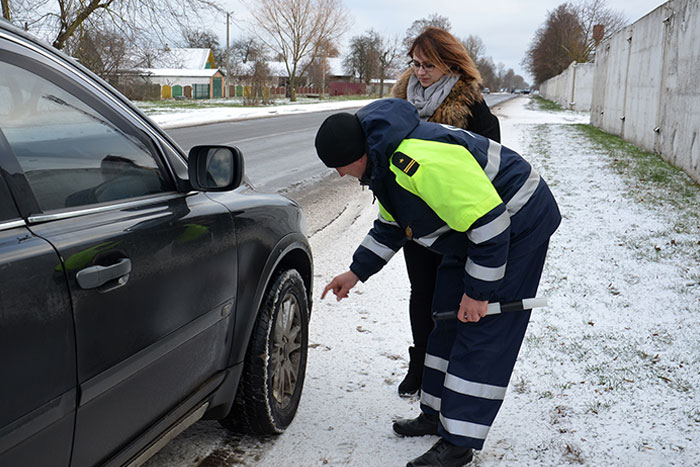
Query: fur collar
455	110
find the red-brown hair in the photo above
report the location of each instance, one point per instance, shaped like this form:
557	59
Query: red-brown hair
443	50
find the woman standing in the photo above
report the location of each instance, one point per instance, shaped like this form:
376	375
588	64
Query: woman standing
444	86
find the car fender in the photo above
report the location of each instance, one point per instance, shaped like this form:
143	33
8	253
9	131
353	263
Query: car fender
291	252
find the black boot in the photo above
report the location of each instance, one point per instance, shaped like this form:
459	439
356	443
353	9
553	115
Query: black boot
422	425
443	454
412	382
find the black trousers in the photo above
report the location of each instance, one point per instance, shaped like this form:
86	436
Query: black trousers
422	265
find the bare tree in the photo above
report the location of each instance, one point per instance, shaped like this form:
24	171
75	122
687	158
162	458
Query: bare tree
372	56
595	12
245	49
59	20
567	36
297	30
419	25
201	39
103	52
388	57
363	57
477	51
487	70
259	79
556	44
475	47
319	68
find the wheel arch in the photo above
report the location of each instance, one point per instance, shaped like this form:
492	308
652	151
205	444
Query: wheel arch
291	252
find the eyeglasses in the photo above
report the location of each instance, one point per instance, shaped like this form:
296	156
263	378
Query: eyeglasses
428	67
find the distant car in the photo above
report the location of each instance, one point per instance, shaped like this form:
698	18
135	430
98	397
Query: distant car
141	290
486	91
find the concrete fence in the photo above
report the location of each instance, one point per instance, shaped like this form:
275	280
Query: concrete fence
645	84
572	89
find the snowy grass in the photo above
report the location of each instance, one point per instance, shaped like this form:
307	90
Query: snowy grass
609	373
179	105
546	105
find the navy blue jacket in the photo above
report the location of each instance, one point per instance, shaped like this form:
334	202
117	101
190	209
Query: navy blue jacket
431	190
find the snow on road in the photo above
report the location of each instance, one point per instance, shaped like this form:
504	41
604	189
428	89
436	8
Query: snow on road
208	115
609	373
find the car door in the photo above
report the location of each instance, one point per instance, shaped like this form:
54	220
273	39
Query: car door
37	344
151	271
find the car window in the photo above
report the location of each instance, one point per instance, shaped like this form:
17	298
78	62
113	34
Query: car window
71	154
8	211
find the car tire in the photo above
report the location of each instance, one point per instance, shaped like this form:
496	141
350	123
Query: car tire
275	364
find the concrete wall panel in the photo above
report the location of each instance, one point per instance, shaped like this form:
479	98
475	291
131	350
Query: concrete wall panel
572	89
645	79
648	73
678	137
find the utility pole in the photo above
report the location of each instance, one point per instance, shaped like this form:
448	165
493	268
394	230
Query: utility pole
228	56
323	75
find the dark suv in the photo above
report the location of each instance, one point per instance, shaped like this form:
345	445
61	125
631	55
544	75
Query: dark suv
141	289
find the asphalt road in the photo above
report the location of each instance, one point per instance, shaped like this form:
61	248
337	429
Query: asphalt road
278	151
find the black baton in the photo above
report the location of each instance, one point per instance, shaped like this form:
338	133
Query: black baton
495	308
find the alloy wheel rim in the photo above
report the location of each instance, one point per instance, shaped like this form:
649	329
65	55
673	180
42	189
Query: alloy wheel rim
286	350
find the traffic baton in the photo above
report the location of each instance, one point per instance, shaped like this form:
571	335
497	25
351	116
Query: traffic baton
498	307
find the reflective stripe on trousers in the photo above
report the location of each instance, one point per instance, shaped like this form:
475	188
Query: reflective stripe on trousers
468	365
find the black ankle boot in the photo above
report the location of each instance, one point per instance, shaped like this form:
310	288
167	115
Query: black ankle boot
422	425
412	382
444	454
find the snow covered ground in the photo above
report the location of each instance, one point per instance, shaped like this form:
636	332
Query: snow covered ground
178	118
609	373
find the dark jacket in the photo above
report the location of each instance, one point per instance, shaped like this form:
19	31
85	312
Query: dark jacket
453	191
464	107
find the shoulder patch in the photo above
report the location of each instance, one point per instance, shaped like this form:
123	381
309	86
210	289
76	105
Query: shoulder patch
404	163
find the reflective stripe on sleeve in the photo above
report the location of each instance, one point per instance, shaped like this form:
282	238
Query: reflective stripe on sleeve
484	273
386	221
377	248
490	230
494	160
524	193
470	388
430	400
428	240
460	428
436	363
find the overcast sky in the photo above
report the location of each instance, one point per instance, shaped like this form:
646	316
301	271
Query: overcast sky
505	26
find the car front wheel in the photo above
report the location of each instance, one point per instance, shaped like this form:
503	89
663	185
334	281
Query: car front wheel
275	364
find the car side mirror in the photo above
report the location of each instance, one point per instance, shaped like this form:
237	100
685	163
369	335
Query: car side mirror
215	168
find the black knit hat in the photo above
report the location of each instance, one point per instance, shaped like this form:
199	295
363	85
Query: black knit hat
340	140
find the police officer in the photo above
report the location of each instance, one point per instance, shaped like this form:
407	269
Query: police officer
489	213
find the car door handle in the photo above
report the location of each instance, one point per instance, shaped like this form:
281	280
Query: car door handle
95	276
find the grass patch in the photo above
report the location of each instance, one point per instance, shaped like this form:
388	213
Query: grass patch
547	105
651	180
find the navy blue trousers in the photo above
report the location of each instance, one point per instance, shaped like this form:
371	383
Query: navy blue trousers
468	365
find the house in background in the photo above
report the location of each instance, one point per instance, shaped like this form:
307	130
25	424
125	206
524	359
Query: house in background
182	73
189	83
341	82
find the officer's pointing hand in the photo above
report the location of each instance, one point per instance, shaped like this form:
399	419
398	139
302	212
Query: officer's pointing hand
470	310
341	285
